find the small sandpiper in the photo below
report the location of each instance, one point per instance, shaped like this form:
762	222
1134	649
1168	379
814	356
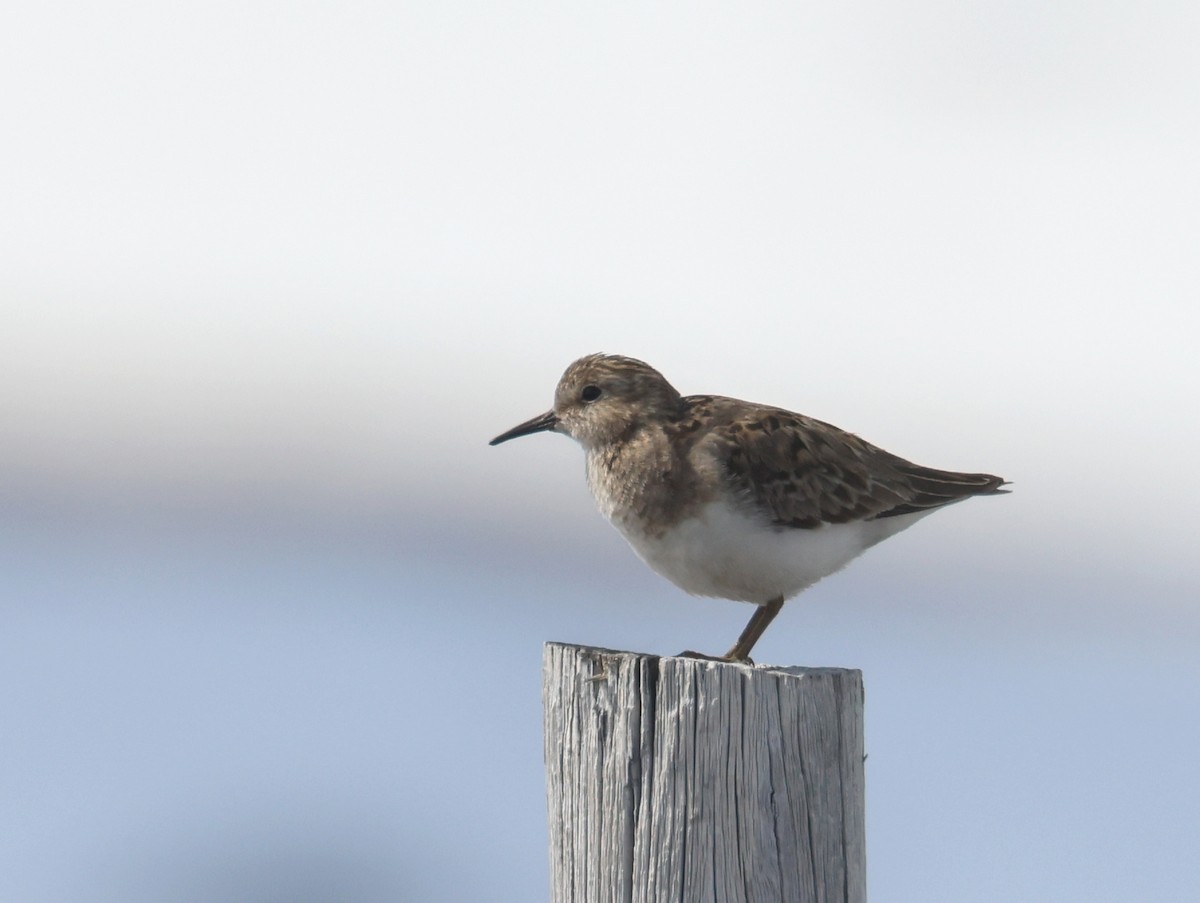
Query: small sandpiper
733	499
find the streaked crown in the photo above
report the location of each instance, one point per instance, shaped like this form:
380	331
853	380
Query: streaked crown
603	397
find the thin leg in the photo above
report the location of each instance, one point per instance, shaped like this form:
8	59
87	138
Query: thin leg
759	621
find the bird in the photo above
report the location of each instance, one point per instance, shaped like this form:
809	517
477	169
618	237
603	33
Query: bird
733	499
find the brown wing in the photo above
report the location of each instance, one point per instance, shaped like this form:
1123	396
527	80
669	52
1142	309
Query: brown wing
806	472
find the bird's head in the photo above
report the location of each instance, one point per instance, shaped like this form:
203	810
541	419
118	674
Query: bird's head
601	398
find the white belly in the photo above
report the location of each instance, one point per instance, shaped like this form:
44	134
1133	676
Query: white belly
723	553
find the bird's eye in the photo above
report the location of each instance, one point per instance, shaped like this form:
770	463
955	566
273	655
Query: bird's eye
590	393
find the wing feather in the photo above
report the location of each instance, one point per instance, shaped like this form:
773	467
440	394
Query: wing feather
805	472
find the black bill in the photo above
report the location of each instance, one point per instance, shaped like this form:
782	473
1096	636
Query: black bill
539	424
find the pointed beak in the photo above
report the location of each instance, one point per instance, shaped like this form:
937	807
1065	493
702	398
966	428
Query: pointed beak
539	424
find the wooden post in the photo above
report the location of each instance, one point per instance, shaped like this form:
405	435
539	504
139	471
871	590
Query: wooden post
675	779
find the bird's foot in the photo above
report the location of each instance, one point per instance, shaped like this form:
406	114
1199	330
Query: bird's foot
728	657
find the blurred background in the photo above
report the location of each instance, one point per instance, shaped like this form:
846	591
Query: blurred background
271	611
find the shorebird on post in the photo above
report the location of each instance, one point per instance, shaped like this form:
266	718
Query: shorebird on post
734	499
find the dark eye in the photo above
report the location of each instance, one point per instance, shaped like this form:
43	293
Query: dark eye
590	393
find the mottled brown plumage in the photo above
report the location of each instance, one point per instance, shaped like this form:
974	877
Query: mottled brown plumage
710	491
806	472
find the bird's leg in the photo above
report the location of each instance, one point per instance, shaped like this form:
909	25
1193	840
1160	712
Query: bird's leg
762	617
759	621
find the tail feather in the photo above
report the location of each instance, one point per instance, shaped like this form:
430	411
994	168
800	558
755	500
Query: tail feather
934	488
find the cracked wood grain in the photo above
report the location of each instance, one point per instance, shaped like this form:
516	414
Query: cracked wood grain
675	779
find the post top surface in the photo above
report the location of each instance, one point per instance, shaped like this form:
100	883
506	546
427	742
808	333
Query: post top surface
792	670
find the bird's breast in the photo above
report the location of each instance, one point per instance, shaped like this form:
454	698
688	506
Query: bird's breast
643	482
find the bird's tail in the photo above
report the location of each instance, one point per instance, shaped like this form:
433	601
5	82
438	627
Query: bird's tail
931	488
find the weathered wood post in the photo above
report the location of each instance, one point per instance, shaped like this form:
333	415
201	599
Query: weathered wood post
674	779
